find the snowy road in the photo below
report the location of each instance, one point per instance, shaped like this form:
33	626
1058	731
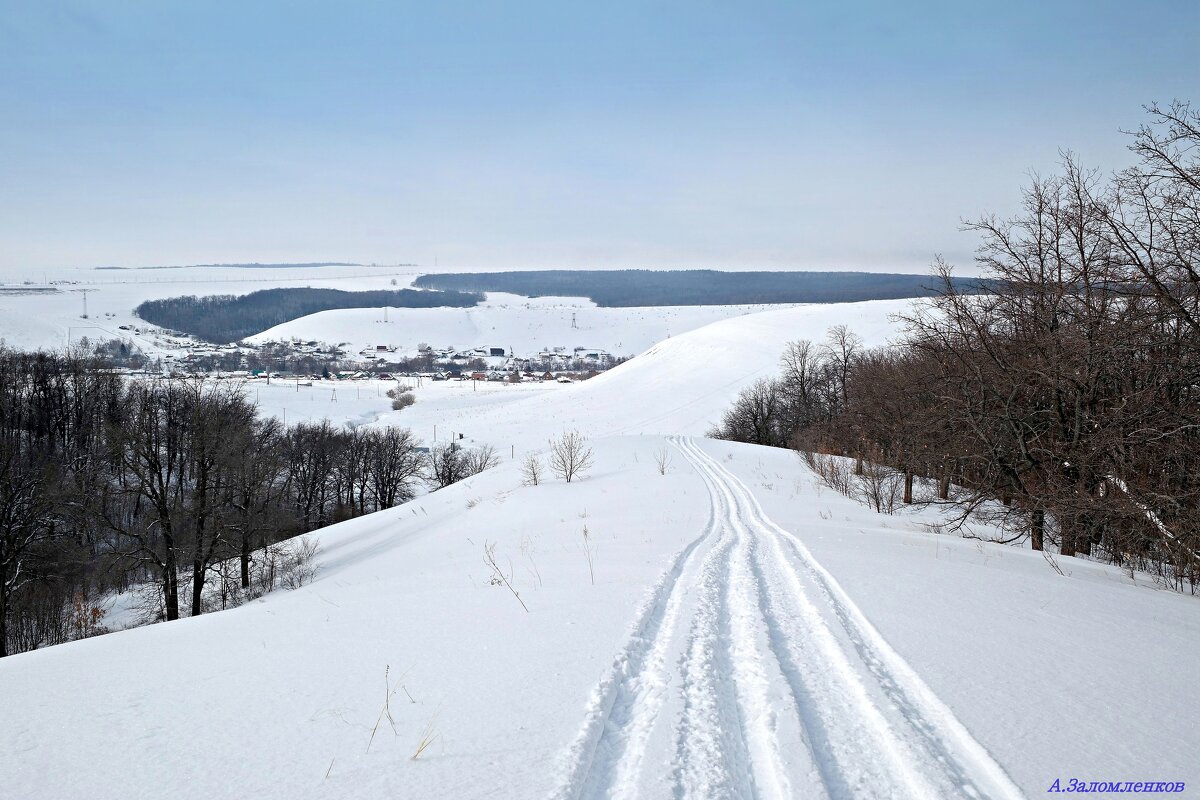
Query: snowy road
752	674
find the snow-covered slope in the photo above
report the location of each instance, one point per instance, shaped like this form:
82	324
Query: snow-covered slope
746	634
680	385
728	629
48	320
522	325
33	321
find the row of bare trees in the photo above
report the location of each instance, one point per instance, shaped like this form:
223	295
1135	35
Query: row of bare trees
1065	402
106	482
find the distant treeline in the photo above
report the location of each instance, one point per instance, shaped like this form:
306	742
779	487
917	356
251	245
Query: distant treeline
639	287
229	318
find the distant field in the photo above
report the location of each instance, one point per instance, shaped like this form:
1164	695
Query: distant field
694	287
228	318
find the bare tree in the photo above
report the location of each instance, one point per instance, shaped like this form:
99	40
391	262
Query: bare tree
451	463
445	465
756	416
570	456
394	467
531	470
662	459
480	458
26	521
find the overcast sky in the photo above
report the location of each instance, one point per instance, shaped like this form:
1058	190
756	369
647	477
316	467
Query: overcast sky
513	134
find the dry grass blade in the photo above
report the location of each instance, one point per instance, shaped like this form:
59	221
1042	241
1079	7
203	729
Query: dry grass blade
428	736
386	712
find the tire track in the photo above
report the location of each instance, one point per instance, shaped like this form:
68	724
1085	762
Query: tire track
711	758
926	750
606	758
750	671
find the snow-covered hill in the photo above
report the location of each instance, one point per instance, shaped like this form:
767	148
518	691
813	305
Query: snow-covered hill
747	634
522	325
681	385
728	629
49	319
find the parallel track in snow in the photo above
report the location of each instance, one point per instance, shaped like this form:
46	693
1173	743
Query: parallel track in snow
752	674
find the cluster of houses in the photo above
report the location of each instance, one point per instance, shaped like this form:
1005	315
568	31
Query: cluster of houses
303	360
494	359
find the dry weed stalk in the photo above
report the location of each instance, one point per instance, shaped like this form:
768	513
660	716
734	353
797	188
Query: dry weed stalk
498	576
386	711
589	553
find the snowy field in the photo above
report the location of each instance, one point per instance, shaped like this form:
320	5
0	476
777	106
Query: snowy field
728	629
33	321
680	385
448	406
522	325
41	320
748	633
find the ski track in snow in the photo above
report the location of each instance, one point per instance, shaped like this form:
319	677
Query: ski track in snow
750	673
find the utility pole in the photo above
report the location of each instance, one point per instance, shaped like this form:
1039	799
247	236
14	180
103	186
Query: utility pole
84	292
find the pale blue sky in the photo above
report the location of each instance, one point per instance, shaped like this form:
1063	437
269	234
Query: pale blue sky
512	134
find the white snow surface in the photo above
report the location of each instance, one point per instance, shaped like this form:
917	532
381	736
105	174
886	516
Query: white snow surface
50	321
748	633
521	325
680	385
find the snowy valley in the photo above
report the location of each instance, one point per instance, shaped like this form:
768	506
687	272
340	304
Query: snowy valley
689	618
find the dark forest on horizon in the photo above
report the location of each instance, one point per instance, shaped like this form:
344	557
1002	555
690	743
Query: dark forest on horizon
640	287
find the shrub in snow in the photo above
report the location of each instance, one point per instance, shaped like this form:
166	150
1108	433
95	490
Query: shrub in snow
570	456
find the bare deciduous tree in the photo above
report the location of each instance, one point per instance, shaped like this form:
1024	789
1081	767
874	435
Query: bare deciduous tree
531	470
570	456
662	459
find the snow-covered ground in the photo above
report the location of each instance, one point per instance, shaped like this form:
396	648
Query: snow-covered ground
747	634
680	385
728	629
48	321
521	325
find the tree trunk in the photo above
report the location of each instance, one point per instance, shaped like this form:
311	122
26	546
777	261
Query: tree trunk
908	486
245	561
944	486
197	587
1092	536
1069	538
1037	528
3	623
858	466
171	590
